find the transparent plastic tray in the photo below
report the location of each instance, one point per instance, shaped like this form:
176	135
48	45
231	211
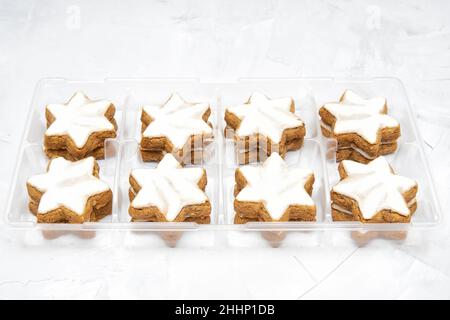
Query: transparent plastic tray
318	153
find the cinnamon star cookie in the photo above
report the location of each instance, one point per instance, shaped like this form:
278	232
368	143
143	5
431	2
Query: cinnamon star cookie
272	191
79	128
169	193
261	126
177	127
372	193
362	127
69	192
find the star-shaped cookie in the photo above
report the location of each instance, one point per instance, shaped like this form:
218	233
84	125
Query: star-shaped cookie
176	127
69	192
373	193
272	191
169	193
79	127
269	125
361	126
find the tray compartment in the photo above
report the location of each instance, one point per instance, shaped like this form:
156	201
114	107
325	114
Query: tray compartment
130	159
309	156
34	161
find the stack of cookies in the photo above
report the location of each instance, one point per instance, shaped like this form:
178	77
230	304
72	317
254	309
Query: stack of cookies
78	129
362	127
261	126
177	127
69	192
372	193
169	193
273	192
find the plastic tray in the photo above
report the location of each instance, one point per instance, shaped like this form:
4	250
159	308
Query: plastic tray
220	163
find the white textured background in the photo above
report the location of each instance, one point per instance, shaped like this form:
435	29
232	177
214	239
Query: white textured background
227	39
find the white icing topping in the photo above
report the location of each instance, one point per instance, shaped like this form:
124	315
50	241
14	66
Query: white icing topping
275	185
374	187
68	184
361	116
169	186
177	120
79	118
269	117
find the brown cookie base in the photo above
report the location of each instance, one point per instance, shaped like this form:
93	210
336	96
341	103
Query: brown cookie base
338	215
98	207
239	219
256	211
349	153
199	220
98	153
192	212
384	216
